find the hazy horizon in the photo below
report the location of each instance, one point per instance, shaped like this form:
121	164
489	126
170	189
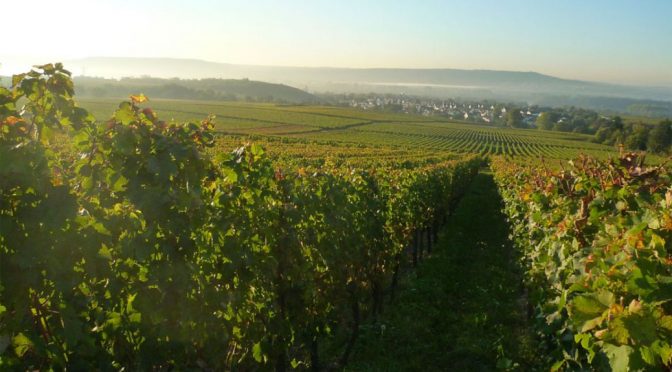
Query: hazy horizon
623	42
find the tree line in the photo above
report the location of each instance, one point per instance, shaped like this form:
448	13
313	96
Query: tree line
606	130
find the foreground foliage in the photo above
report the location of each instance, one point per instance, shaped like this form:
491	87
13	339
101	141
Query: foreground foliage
596	240
135	249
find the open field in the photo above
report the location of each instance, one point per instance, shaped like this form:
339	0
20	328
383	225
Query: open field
338	126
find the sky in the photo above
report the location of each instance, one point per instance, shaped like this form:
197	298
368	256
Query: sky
618	41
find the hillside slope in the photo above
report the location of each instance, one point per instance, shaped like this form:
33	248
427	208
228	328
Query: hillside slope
206	89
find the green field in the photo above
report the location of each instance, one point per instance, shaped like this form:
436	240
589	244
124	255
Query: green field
348	127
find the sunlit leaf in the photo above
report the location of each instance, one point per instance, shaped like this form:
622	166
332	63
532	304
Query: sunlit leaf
21	344
138	98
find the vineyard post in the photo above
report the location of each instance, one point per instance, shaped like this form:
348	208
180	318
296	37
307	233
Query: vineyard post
429	239
354	304
421	240
415	248
377	303
395	276
314	354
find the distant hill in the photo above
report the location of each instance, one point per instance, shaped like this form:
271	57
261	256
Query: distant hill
503	86
203	89
485	80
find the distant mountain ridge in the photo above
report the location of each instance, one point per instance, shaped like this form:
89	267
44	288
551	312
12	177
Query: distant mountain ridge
502	86
117	67
318	78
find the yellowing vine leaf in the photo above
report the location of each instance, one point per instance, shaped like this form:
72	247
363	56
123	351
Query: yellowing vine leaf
139	98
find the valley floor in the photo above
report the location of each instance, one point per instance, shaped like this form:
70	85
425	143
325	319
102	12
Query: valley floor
464	310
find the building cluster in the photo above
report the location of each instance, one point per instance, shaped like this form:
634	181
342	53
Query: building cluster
477	111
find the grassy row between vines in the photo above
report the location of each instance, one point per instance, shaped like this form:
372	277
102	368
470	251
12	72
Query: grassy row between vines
463	308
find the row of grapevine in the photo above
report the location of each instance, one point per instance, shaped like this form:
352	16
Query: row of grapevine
596	243
458	138
135	249
299	152
340	125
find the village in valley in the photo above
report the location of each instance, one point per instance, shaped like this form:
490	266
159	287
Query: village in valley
486	112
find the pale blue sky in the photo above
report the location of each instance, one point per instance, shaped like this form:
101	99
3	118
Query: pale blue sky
625	41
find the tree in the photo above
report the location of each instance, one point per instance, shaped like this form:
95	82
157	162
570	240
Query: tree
637	139
545	121
660	137
617	123
602	135
616	136
598	124
562	126
579	125
514	119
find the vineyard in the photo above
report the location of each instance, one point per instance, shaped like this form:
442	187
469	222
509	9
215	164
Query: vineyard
144	252
324	125
239	236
